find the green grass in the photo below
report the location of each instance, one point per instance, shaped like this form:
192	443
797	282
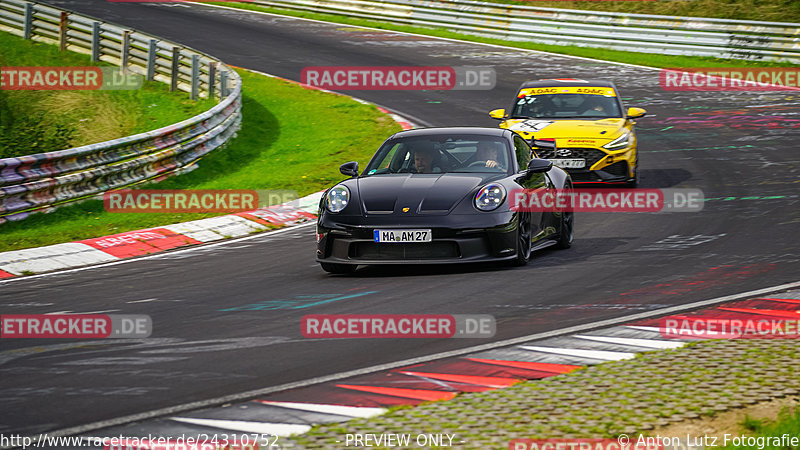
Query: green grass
770	11
788	423
40	121
291	138
645	59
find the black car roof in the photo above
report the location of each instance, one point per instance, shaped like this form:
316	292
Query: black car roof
567	82
438	131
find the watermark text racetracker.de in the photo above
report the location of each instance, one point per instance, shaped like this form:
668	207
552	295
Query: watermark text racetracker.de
400	77
730	79
579	444
67	79
658	442
606	200
688	327
75	326
398	326
194	200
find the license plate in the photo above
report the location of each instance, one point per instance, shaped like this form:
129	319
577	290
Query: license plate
403	236
569	163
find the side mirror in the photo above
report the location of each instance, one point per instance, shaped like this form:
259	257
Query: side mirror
498	114
349	168
538	165
635	113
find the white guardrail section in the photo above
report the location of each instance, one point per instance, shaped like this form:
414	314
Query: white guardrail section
41	181
671	35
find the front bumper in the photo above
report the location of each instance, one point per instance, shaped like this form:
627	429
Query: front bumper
456	239
612	174
601	166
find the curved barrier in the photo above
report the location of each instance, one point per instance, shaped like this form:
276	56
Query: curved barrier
38	182
672	35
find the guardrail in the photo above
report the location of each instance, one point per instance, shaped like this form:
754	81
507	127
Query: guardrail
39	182
671	35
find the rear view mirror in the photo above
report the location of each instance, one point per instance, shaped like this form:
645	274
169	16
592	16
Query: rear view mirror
538	165
349	168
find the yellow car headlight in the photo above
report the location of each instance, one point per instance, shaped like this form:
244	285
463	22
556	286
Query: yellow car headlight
620	142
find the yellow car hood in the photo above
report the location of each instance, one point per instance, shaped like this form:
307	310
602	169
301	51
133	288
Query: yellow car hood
601	130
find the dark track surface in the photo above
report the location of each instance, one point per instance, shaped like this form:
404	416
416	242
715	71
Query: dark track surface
616	266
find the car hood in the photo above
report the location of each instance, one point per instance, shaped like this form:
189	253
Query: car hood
600	130
421	194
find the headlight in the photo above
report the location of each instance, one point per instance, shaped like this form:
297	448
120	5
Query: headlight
620	142
337	198
490	197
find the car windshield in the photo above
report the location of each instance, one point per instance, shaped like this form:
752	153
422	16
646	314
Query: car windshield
566	106
456	153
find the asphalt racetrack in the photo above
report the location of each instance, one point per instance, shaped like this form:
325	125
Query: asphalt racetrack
738	147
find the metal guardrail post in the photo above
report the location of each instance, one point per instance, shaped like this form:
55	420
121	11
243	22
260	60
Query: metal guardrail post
126	51
195	76
95	41
176	65
27	28
63	26
223	83
39	182
212	78
151	60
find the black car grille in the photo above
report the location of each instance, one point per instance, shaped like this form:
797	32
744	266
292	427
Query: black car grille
397	251
619	169
591	155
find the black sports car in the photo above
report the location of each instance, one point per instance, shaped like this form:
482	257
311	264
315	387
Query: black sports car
440	195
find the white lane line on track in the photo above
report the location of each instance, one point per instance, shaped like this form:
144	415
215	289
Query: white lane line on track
433	37
162	254
273	429
653	329
147	300
90	312
634	342
247	395
602	355
339	410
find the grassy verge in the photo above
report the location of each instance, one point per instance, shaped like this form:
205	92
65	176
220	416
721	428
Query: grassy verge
770	11
788	423
645	59
285	143
41	121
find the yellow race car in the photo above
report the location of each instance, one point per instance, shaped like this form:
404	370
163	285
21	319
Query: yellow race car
580	126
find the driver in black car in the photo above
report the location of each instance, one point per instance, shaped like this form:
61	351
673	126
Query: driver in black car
425	155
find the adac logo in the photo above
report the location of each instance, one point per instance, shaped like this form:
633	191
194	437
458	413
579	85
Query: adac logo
406	209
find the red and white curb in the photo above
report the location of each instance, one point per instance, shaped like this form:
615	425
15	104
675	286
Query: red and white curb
294	411
153	240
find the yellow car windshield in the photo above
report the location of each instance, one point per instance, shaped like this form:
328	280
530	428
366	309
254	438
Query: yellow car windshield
566	106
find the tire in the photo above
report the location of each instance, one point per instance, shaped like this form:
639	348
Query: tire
566	232
338	268
523	240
